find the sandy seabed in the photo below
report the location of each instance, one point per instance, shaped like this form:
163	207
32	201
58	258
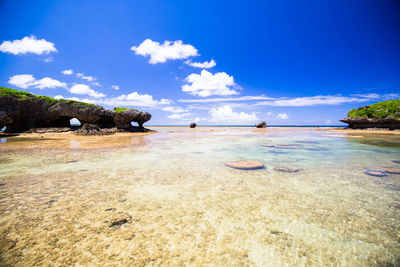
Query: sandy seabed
167	199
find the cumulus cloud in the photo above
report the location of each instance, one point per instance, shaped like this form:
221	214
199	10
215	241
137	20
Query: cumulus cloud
83	89
67	72
28	45
207	84
160	53
282	116
58	97
227	115
115	87
174	109
28	81
178	115
87	78
202	65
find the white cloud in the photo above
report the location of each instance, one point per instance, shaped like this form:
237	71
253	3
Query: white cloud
115	87
371	95
131	100
59	97
83	89
282	116
67	72
48	59
178	116
87	78
207	84
96	84
312	100
27	80
203	65
23	81
28	45
174	109
160	53
242	98
225	114
48	83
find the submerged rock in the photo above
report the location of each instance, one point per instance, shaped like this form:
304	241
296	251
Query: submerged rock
286	169
262	124
307	142
376	173
119	218
391	170
396	161
193	125
245	164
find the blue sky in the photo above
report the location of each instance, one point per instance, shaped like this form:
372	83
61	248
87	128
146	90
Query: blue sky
213	62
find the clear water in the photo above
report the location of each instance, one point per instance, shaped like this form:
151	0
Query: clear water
184	207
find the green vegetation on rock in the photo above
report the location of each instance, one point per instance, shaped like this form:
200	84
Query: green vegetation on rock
379	110
22	95
81	103
119	109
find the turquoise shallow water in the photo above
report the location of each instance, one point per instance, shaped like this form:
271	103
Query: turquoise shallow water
180	205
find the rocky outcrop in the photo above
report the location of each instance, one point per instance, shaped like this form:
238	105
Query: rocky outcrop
123	117
365	123
262	124
384	114
21	111
193	125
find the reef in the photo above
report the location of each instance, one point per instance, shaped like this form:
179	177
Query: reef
22	111
384	114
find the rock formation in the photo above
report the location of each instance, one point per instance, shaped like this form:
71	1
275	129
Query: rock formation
384	114
262	124
21	111
193	125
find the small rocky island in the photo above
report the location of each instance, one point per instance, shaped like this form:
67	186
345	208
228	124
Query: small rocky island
22	111
384	114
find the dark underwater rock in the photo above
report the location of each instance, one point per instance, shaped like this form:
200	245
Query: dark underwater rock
377	173
390	170
286	169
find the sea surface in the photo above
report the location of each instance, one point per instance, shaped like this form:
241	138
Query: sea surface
168	199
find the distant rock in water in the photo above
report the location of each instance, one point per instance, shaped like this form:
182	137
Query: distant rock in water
384	114
193	125
22	111
262	124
